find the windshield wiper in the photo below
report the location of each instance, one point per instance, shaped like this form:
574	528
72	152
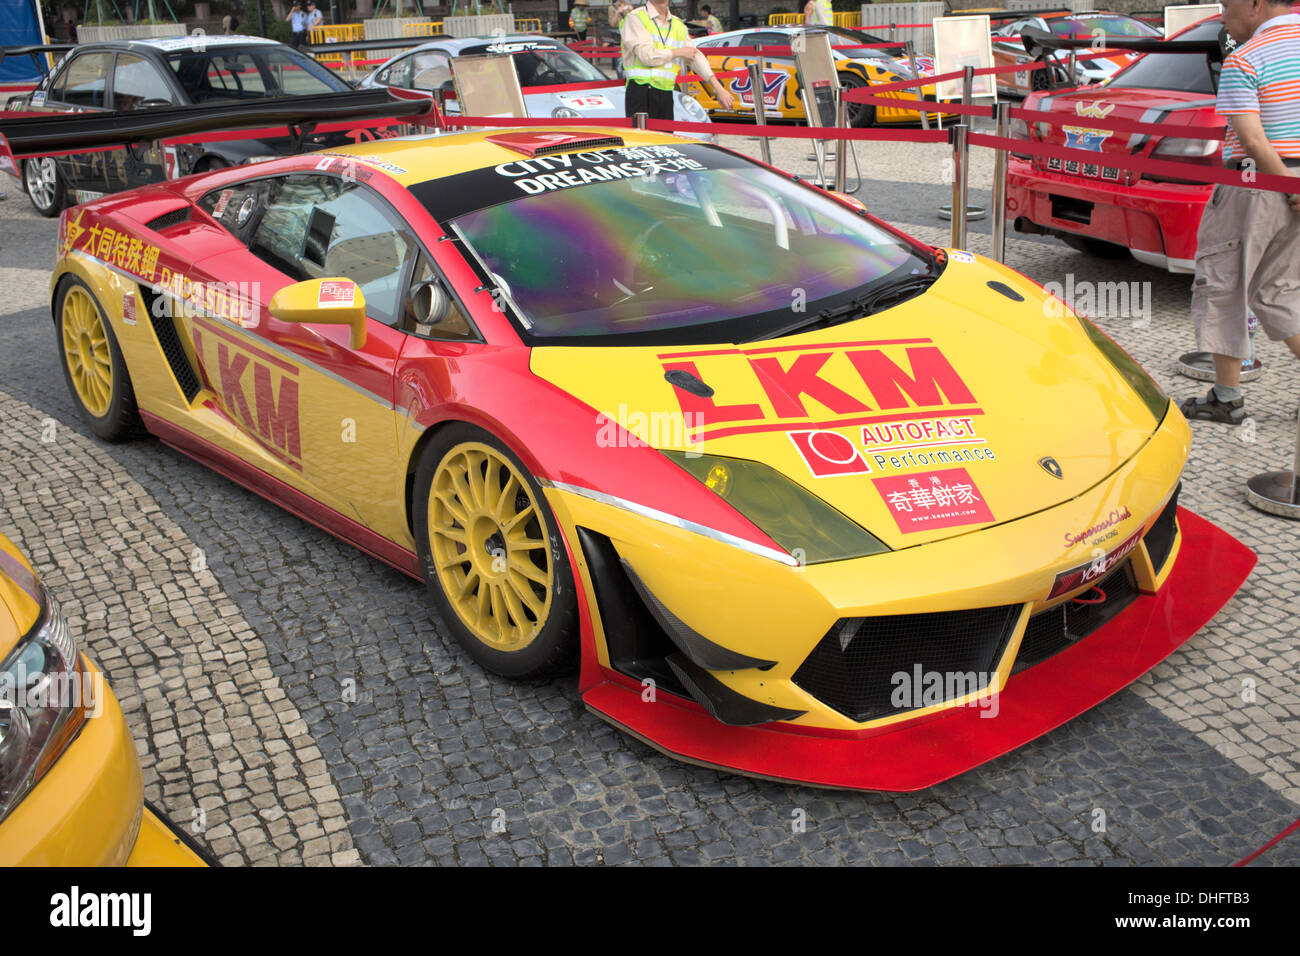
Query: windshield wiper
867	304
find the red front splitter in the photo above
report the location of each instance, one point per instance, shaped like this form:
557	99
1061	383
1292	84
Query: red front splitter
917	754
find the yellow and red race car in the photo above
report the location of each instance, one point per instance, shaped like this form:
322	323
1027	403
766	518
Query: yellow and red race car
749	457
70	789
856	65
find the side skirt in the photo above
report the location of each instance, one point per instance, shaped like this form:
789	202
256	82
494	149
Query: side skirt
283	494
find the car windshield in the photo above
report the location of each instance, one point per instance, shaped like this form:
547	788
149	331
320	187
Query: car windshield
543	65
238	73
1189	72
662	244
1108	25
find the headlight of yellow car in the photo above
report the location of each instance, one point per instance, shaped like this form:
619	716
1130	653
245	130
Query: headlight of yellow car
1152	395
796	519
44	700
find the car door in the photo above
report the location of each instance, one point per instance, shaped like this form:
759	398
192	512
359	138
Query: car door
310	409
80	86
138	84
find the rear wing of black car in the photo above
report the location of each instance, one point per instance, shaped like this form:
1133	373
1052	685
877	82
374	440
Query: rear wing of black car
32	135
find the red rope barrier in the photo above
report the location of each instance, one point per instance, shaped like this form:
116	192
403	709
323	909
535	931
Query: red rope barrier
1164	167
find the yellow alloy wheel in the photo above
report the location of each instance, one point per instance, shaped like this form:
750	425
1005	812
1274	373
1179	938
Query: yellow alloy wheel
490	547
86	351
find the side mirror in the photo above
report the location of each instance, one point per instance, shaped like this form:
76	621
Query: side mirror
428	303
855	203
323	302
154	104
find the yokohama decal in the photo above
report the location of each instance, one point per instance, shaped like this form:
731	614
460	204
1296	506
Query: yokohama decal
1095	570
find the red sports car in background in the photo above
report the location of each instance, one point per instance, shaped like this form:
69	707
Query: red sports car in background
1099	207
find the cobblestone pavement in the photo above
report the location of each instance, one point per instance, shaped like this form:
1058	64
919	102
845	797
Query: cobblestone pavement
237	679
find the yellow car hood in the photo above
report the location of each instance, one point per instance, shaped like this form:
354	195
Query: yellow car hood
18	608
964	407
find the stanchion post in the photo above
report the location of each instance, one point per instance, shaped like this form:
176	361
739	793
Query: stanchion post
960	147
1295	468
842	147
967	86
760	109
1278	492
1002	113
440	102
640	119
911	62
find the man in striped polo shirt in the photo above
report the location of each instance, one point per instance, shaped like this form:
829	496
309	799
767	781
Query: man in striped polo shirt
653	41
1248	246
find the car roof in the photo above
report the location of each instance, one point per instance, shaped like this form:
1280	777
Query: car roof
422	157
1085	13
191	42
458	44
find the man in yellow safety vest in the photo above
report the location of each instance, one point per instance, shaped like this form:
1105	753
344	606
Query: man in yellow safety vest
818	13
653	41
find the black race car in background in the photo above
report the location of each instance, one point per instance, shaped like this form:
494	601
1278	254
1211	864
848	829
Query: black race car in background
130	75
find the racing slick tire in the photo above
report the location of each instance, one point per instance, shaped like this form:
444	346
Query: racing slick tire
93	365
44	186
860	114
1099	248
492	556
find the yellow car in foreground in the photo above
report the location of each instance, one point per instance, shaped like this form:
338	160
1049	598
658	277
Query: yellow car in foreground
801	496
70	787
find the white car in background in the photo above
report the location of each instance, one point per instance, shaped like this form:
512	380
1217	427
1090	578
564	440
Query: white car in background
539	62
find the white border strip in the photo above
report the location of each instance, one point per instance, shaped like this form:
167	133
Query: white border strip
722	536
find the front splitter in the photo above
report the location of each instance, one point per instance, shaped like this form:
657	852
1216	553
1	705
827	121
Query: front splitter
1211	567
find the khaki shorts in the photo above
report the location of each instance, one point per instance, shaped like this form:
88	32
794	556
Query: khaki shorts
1247	257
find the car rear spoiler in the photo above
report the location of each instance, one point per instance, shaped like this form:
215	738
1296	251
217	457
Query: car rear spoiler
1042	43
1037	41
62	132
997	16
35	51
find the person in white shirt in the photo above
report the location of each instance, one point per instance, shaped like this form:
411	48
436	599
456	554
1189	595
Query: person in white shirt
653	40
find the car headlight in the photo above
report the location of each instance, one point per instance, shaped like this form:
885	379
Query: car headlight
1152	395
1183	148
796	519
695	113
45	697
563	112
261	159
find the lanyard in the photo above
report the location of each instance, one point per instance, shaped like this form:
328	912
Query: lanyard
662	37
